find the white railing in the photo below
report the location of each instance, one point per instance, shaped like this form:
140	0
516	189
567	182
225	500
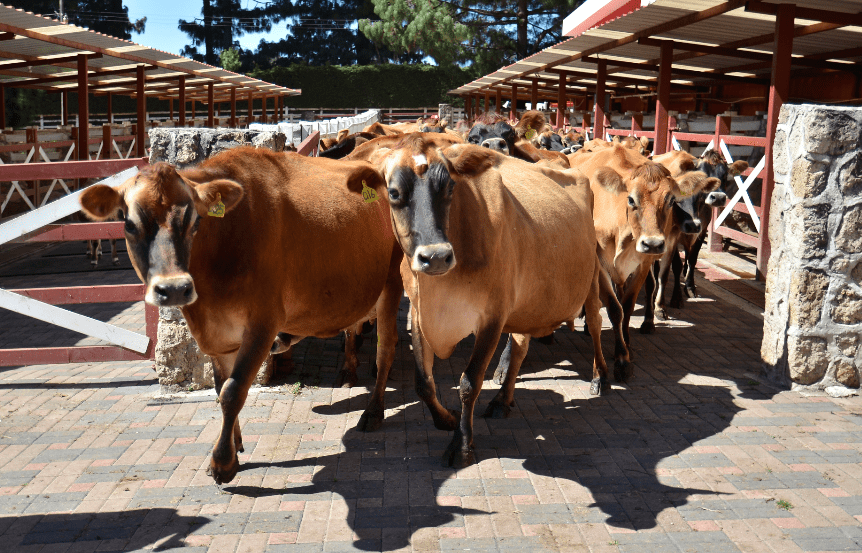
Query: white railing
297	132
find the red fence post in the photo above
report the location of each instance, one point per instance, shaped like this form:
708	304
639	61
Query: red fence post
663	98
601	76
637	123
561	101
513	109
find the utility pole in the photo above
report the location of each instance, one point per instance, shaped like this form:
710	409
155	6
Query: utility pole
61	15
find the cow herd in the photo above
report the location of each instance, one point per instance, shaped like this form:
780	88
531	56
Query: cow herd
496	228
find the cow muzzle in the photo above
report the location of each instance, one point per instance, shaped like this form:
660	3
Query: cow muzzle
496	144
433	260
651	244
692	226
716	199
171	291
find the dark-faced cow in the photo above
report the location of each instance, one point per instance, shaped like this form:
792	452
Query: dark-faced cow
712	164
476	228
259	248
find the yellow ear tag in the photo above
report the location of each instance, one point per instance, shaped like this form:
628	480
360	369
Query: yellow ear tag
531	134
218	209
368	194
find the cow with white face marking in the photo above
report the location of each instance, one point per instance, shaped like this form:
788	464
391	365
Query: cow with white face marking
475	227
260	249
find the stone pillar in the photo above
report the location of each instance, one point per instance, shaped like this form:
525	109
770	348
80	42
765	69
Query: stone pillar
813	317
180	365
446	113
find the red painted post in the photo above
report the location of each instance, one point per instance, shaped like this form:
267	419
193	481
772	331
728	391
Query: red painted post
250	107
487	101
107	142
601	77
110	109
468	107
210	106
182	121
534	94
83	109
671	127
663	98
513	109
233	107
2	107
779	91
65	94
587	123
263	117
722	128
561	101
142	114
499	101
637	122
32	138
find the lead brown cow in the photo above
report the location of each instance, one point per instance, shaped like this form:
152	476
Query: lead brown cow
297	253
476	228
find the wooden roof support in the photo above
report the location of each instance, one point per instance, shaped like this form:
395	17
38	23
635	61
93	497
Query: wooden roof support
825	16
663	99
534	94
513	108
142	114
233	108
50	61
72	77
499	101
599	128
82	146
182	105
561	102
681	72
210	101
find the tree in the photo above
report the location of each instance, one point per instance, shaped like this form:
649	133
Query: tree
499	32
230	59
221	22
109	17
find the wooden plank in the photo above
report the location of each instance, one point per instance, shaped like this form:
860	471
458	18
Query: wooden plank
745	140
73	321
58	209
68	169
53	356
746	239
309	145
80	231
86	294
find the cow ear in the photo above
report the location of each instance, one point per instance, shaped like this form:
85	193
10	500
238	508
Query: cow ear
610	180
645	142
209	194
364	175
690	183
444	123
711	185
100	201
615	139
466	160
738	167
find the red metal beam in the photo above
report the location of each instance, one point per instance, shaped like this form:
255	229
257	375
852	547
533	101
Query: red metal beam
663	99
86	294
83	109
534	94
309	145
68	169
779	91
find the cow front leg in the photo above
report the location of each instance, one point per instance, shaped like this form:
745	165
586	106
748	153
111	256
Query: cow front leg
222	366
622	355
517	346
676	298
115	258
630	297
593	307
460	453
648	326
387	340
691	263
426	388
234	391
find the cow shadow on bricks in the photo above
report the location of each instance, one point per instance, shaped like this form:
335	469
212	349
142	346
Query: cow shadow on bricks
160	529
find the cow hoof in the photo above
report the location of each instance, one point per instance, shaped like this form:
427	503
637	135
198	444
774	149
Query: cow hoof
223	475
691	291
448	423
346	379
661	313
116	261
497	410
457	457
546	340
648	327
623	370
370	421
597	385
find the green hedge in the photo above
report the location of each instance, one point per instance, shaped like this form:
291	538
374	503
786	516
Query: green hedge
373	86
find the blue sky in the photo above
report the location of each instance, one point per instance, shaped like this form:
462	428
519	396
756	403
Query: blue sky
162	18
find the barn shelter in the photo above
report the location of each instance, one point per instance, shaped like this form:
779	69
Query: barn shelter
43	53
674	56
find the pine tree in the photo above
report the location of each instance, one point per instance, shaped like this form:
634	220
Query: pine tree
220	23
108	17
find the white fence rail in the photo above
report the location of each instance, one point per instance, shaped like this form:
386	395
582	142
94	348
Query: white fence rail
297	132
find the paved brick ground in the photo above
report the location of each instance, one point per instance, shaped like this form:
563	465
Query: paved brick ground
695	455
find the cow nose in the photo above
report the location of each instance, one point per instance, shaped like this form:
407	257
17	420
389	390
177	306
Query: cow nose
436	259
496	144
651	244
716	199
173	291
691	227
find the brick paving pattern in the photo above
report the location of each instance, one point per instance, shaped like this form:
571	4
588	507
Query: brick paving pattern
694	455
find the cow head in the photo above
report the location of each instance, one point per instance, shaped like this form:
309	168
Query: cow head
650	196
499	136
163	210
549	140
712	164
695	189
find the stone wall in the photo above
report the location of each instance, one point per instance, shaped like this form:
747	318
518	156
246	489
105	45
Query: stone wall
179	363
813	318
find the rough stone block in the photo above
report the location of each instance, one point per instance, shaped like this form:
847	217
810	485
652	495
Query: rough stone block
846	373
856	274
807	290
807	230
830	131
807	359
850	176
847	307
779	160
808	179
848	344
849	238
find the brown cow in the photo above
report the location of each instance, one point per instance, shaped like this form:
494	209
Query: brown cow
633	216
297	253
476	228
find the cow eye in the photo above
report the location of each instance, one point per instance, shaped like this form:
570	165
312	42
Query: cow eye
130	227
632	203
394	194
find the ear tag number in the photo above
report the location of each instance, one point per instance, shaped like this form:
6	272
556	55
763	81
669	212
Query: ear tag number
531	134
217	210
368	194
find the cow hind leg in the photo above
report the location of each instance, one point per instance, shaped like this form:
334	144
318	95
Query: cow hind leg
346	377
505	362
517	345
459	453
234	391
387	340
593	307
622	354
115	258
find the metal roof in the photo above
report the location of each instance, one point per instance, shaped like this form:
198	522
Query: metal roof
51	48
611	29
